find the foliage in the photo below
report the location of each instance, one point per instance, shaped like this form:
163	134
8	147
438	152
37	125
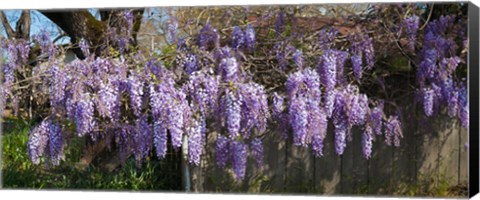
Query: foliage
224	76
19	172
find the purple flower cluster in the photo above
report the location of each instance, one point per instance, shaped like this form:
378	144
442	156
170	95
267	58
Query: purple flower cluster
56	143
357	66
278	104
47	136
358	109
238	38
242	39
375	119
203	89
250	37
46	45
453	103
239	159
57	85
84	47
84	119
169	106
298	59
175	119
222	151
279	115
139	107
257	151
305	114
135	88
208	36
254	108
437	68
361	48
38	141
329	102
327	37
328	69
172	30
428	100
190	63
143	138
160	138
350	108
281	55
280	23
195	144
109	101
342	57
393	131
229	69
464	109
8	76
128	16
369	52
233	113
367	142
411	26
17	51
317	145
340	122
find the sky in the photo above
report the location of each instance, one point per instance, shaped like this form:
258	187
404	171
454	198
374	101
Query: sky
40	22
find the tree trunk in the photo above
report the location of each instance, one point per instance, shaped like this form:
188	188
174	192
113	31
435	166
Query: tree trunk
82	24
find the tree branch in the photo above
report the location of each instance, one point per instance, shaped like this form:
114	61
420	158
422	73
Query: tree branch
77	25
27	21
82	24
23	25
8	28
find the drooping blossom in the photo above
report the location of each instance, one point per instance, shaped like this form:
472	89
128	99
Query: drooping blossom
239	159
250	37
38	141
238	38
257	151
233	113
411	26
172	30
393	131
280	23
222	151
367	142
160	138
328	69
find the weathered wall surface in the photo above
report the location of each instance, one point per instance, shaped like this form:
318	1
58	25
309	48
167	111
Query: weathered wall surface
431	151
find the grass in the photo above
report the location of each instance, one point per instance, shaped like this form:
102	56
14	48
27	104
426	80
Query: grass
19	172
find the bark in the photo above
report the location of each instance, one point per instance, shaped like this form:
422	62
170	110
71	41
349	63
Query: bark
81	24
78	25
6	25
22	27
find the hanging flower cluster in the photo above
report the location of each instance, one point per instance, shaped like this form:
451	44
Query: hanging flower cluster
206	91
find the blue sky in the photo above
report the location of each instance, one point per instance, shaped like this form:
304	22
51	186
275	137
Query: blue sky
40	22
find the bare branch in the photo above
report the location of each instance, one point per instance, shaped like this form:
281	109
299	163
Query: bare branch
23	25
27	21
8	28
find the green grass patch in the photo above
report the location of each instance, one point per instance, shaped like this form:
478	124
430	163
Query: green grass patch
19	172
